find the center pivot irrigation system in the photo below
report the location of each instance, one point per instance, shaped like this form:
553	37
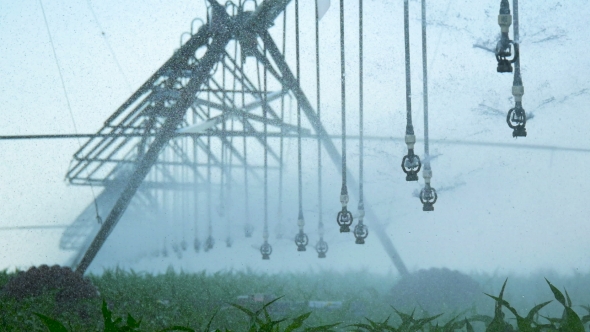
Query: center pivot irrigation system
197	125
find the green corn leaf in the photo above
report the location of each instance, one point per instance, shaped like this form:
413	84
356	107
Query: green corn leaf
536	309
374	325
567	296
468	326
297	322
271	302
482	318
571	322
266	315
552	320
51	324
132	323
363	326
419	323
503	287
557	294
322	328
208	328
244	309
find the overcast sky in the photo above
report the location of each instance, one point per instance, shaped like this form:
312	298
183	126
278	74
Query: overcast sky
500	208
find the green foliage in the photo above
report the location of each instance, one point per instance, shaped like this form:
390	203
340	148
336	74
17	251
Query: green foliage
52	324
201	302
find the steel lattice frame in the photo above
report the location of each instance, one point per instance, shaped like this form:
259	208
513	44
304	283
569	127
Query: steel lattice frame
186	99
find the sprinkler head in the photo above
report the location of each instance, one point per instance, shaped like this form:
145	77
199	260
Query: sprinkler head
322	248
516	120
504	52
411	165
428	197
344	220
301	240
209	243
265	250
360	232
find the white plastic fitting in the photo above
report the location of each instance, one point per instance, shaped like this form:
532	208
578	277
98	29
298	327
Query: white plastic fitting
427	175
344	200
410	141
361	214
301	223
518	92
504	21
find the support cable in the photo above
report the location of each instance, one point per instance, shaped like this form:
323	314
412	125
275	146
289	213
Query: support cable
321	247
516	117
106	40
344	217
63	85
301	238
266	248
428	195
360	230
411	162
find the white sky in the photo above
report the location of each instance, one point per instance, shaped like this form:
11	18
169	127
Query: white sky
511	210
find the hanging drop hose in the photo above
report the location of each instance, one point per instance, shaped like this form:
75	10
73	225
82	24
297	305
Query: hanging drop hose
344	217
209	242
321	246
301	238
222	213
428	195
360	230
266	248
196	242
281	142
516	117
184	200
248	228
504	46
411	162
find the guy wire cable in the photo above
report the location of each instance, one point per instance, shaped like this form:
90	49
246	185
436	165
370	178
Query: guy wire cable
63	85
428	195
321	246
360	230
344	217
301	238
411	162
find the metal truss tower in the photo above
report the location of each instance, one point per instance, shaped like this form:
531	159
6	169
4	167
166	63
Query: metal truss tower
180	117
